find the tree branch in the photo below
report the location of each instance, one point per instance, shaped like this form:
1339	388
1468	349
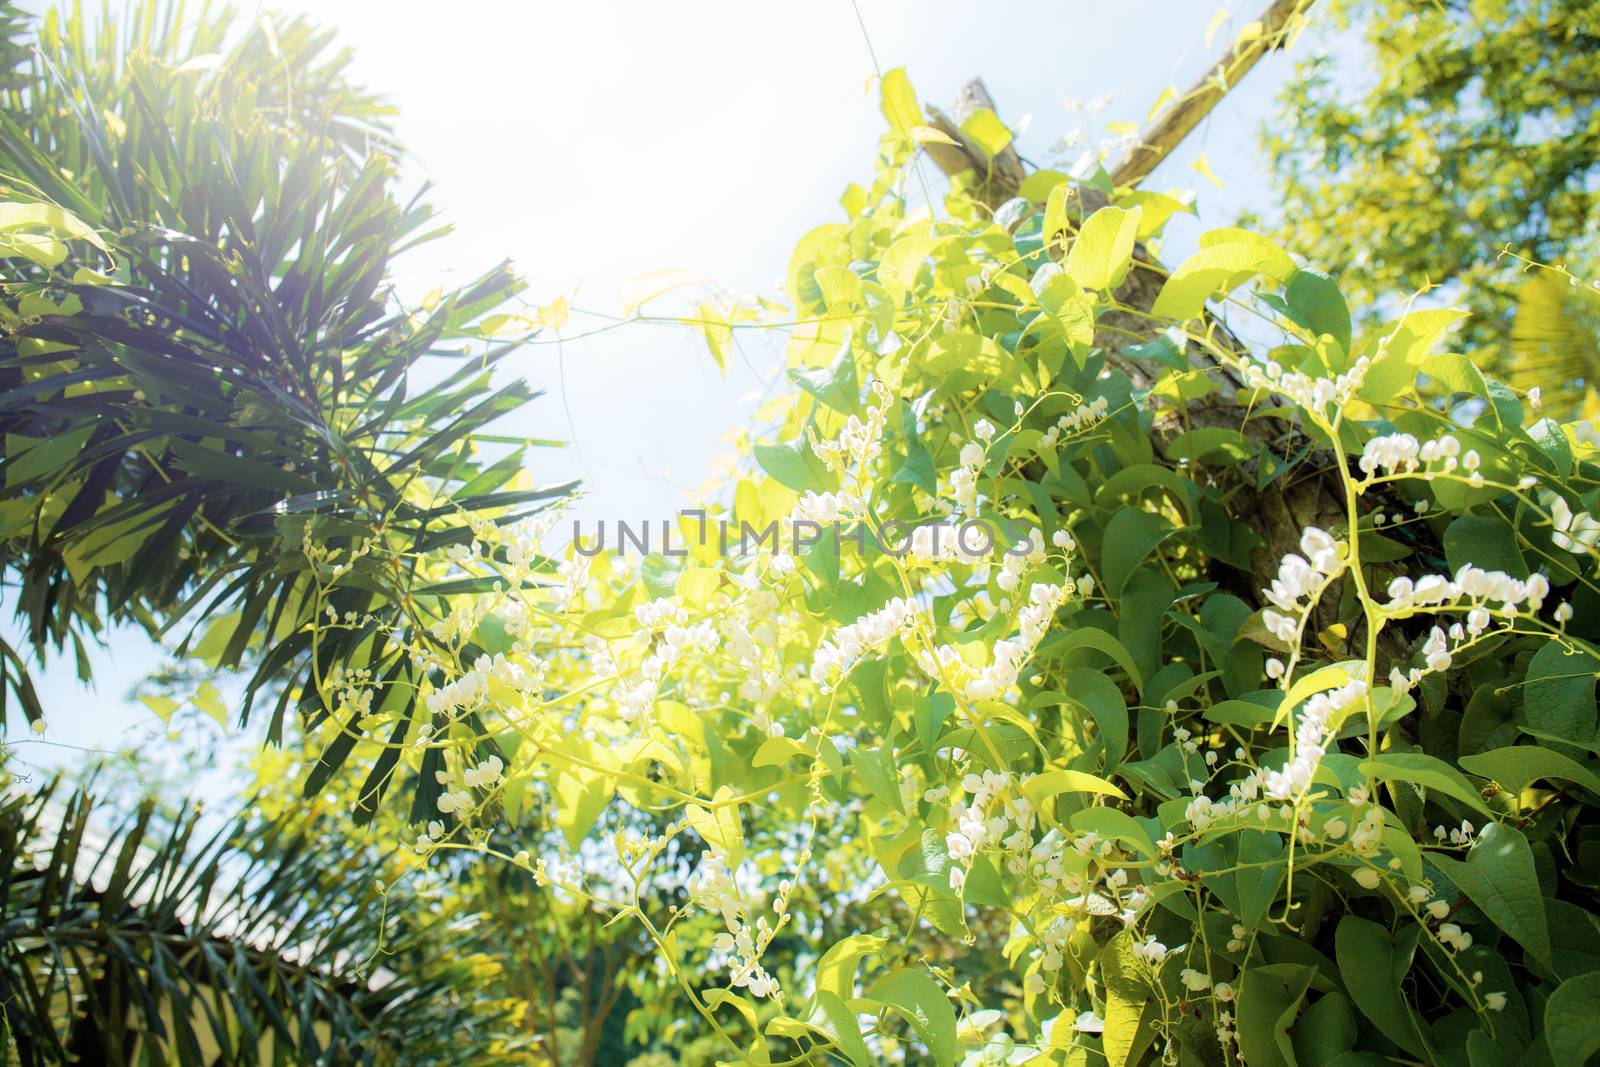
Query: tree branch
1277	24
999	178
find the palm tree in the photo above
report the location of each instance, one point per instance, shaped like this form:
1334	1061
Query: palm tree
205	369
268	941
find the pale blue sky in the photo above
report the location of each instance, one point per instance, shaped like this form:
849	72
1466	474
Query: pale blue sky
596	142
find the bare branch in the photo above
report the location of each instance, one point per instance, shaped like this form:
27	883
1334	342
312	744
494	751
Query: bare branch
1276	25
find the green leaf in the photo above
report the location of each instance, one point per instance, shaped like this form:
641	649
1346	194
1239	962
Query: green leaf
1407	342
1559	696
834	1020
1373	968
1092	691
1128	990
1227	258
720	826
1326	1030
1130	537
928	714
581	795
1217	445
1115	824
209	700
877	769
1064	644
836	970
1571	1024
1517	766
924	1005
1487	541
776	751
900	103
1071	310
1499	877
834	385
1103	251
162	706
1314	301
794	466
1041	787
1269	1001
1456	374
1429	771
1263	859
985	130
904	258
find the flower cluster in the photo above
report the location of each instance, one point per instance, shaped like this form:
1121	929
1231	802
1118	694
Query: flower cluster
1079	418
1012	652
712	887
1479	593
860	442
964	479
1318	722
1300	577
1402	454
1312	394
825	507
870	633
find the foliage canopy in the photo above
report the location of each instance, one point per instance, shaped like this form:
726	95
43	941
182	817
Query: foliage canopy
1435	136
1079	685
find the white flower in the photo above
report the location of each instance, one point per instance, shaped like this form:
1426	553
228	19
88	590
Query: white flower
1151	951
870	633
1494	1001
1194	981
1366	877
1089	1023
449	802
485	774
1280	626
1575	532
761	984
983	429
1318	722
1455	937
823	508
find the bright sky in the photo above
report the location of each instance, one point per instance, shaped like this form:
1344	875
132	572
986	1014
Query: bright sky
595	142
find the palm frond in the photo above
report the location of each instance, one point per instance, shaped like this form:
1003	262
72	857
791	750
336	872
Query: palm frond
1555	339
225	374
263	942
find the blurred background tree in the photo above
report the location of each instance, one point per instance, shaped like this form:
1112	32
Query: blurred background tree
1432	136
